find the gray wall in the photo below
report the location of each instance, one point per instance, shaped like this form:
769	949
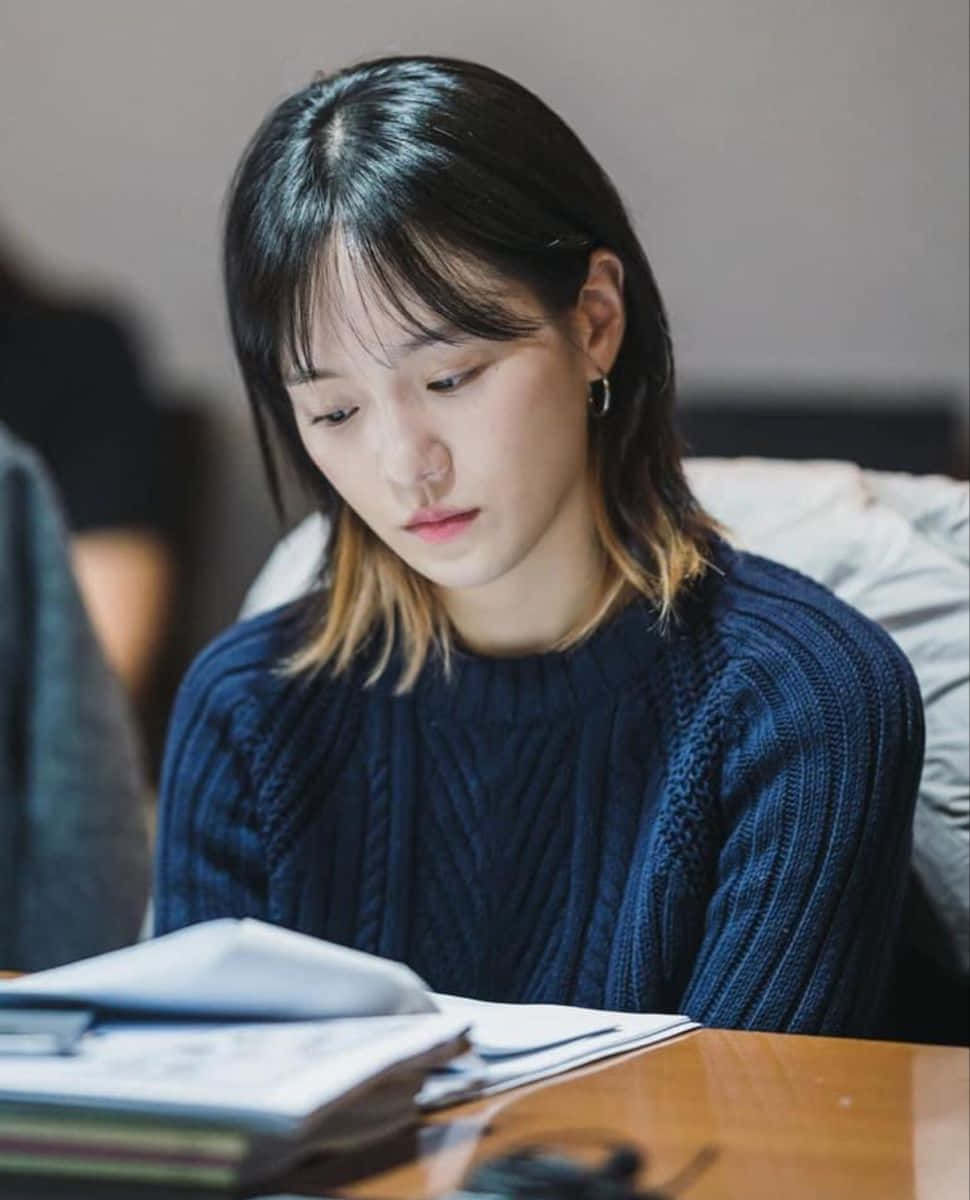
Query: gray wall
798	171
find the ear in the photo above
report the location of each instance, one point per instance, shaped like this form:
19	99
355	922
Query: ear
601	313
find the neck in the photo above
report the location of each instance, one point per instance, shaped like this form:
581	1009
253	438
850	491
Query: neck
531	608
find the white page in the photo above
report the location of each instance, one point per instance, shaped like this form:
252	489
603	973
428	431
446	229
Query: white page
574	1037
504	1029
259	1077
538	1064
232	968
472	1074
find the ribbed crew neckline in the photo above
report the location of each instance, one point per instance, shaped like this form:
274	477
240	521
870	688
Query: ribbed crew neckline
537	686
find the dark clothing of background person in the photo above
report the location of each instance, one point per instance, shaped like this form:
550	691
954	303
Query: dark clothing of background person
71	387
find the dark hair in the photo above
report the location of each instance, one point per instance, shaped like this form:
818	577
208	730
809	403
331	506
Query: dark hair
420	165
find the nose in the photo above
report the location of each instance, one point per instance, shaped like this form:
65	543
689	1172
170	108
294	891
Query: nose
413	457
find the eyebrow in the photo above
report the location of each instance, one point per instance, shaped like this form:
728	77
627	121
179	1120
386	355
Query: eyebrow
448	334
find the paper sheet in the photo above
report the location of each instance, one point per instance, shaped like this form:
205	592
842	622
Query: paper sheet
515	1044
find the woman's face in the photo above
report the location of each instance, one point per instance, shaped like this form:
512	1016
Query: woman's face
463	458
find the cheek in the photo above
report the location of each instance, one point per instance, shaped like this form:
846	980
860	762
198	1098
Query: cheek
337	466
539	428
312	446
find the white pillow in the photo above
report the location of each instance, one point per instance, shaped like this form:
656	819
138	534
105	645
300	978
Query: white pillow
892	545
291	569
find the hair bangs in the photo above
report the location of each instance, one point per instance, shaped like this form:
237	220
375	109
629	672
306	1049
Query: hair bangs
430	289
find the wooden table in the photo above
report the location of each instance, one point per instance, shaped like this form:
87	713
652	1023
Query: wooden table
785	1117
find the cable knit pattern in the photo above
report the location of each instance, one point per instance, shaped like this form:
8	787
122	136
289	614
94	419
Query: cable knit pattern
715	821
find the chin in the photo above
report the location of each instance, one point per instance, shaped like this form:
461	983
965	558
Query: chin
456	577
469	573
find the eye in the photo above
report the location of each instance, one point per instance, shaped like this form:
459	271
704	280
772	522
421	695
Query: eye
339	416
451	383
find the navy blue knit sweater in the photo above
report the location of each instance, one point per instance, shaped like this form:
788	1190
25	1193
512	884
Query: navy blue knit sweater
715	821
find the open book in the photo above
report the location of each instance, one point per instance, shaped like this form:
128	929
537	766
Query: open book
224	1052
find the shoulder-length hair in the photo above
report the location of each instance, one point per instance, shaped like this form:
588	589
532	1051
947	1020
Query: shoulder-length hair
417	165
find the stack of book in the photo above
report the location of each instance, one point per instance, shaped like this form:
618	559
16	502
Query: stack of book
223	1054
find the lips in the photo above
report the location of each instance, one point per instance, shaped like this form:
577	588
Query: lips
441	525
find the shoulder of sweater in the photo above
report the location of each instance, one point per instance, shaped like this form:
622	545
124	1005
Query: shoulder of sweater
17	457
246	663
775	618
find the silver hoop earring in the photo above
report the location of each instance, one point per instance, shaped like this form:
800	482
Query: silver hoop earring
598	397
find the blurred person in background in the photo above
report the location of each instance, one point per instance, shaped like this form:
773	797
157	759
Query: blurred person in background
72	387
74	852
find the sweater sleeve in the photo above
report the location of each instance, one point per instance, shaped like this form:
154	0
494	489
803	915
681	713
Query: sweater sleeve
210	859
824	745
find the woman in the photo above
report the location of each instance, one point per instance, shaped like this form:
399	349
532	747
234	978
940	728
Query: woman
540	733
